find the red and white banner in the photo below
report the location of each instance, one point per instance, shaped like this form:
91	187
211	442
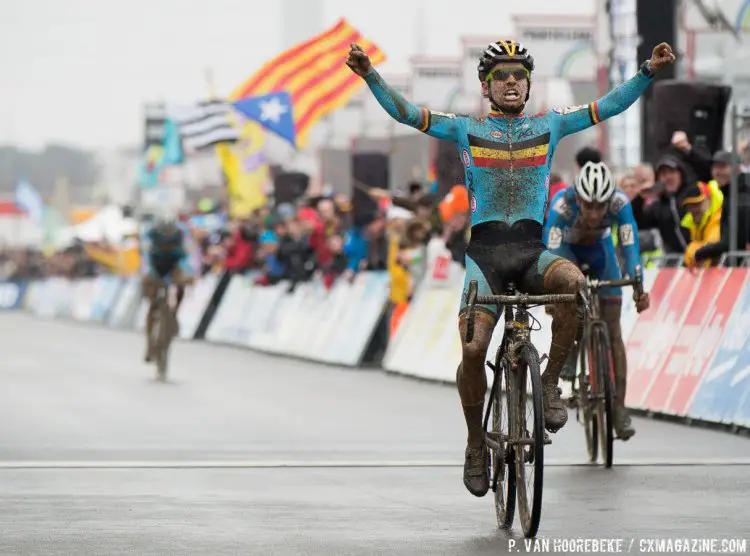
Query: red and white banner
718	311
689	311
642	358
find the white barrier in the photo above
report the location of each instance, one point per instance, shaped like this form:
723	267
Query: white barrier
333	326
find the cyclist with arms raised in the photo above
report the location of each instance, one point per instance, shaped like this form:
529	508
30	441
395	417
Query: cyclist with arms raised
579	228
507	157
165	250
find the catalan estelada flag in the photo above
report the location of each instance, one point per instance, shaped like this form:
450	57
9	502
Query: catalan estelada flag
315	75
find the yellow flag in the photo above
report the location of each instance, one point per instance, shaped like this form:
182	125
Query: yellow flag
246	170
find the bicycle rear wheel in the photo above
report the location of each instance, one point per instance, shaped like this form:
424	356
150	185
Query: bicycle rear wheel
503	465
586	400
604	391
529	433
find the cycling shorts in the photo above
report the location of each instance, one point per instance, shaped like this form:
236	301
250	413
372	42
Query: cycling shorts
499	254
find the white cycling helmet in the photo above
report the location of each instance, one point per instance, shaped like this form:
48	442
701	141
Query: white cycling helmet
167	224
594	183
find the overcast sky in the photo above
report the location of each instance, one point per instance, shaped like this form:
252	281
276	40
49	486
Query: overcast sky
77	71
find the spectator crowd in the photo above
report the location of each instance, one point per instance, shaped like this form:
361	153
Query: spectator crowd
681	205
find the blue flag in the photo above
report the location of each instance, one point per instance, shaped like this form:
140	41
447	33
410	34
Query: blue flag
156	157
28	199
272	111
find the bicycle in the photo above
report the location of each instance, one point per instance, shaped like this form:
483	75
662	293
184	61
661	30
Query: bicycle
593	393
511	444
163	330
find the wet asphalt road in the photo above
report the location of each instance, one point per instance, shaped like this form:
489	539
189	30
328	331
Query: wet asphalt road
243	453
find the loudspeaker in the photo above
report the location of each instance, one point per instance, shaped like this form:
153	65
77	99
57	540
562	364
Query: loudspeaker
368	170
699	109
289	186
657	23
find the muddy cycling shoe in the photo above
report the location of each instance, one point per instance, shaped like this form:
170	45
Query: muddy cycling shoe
476	475
555	413
623	425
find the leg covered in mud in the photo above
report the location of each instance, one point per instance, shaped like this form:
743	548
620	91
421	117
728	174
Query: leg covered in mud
471	379
561	277
611	309
149	292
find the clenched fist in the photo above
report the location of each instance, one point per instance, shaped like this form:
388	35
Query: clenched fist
358	60
661	56
642	302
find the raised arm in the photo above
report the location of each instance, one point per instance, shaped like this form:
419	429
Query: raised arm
619	99
435	124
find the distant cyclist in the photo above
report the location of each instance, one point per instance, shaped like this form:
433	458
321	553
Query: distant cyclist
507	156
165	255
579	228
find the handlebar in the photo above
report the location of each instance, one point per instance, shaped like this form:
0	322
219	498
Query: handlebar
636	282
520	299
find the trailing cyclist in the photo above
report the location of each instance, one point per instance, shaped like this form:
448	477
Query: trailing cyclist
507	157
579	228
165	250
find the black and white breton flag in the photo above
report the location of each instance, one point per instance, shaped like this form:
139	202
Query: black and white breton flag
206	124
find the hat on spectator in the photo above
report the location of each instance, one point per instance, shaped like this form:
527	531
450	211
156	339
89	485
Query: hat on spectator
695	193
457	201
725	157
308	214
395	212
285	211
668	161
268	237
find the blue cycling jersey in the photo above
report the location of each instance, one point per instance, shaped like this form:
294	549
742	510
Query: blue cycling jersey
507	158
565	229
155	245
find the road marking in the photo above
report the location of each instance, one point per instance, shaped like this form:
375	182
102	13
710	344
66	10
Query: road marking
270	464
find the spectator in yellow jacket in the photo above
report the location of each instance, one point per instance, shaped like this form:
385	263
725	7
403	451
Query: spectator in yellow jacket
703	203
401	286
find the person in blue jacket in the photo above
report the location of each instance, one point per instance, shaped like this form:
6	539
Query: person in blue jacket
507	156
579	228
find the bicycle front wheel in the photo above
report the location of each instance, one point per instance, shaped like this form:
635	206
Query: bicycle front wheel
603	391
586	400
503	466
529	439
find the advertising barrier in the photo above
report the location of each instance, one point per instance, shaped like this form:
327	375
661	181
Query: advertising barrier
311	322
688	355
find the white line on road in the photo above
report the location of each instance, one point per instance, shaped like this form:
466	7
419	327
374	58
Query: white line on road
260	464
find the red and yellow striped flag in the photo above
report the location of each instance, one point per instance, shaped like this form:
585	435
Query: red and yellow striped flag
315	74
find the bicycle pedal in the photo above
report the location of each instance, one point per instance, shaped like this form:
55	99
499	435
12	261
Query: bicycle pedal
547	439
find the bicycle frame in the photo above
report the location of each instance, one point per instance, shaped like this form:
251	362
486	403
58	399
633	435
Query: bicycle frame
516	333
592	316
